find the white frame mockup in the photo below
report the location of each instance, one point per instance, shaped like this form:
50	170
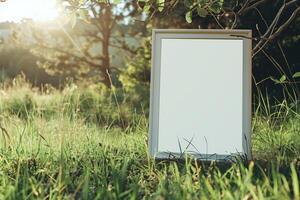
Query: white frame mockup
157	36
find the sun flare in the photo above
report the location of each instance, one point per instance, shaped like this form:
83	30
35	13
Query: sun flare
37	10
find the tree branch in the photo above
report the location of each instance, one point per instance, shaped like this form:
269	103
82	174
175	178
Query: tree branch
269	34
286	24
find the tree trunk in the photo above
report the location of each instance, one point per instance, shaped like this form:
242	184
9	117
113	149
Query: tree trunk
105	68
106	29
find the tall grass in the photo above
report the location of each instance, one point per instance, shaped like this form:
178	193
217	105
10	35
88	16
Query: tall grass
63	158
95	105
72	144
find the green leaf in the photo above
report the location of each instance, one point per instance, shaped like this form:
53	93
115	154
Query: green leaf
202	12
116	1
282	79
295	182
275	80
161	5
217	6
296	75
147	8
188	17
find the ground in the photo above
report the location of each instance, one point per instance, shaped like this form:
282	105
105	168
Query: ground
49	153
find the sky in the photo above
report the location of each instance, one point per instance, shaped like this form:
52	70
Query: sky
38	10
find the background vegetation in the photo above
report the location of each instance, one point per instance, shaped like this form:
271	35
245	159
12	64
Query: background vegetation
74	103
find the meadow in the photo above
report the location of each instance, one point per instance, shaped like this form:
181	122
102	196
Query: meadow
92	144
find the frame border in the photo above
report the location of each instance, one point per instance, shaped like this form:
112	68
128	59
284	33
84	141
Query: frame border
157	36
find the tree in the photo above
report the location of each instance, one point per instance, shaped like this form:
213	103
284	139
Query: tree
275	26
84	46
230	14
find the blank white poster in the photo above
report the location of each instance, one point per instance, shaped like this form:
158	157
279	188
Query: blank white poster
201	96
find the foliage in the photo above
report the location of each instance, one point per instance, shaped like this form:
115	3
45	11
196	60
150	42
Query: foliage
94	105
202	8
83	45
199	7
68	144
67	50
97	105
275	32
19	103
16	60
135	78
23	107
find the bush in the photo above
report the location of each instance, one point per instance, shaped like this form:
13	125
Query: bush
23	107
136	78
95	104
99	105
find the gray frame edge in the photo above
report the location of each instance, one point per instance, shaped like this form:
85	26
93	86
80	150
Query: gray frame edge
154	109
157	35
247	94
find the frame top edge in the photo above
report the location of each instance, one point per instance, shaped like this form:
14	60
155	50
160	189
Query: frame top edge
203	31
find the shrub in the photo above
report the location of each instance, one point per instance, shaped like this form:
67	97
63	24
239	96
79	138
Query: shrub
95	104
23	107
136	78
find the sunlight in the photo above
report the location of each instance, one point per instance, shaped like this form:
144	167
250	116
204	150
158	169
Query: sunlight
38	10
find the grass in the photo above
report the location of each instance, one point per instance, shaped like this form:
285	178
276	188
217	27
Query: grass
53	151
